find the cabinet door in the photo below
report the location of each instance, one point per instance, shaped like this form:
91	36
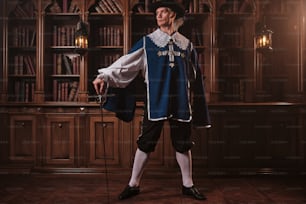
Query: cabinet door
22	138
60	142
104	140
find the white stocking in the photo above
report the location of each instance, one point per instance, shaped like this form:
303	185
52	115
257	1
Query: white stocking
185	163
140	161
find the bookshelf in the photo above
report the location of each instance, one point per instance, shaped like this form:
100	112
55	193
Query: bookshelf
22	53
41	59
61	64
281	70
107	43
49	120
235	50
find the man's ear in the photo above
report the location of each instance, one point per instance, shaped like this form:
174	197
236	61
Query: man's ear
173	14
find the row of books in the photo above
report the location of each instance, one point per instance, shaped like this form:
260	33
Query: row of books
23	36
233	90
197	36
24	9
199	6
64	35
108	6
232	36
24	64
191	6
66	64
107	60
23	90
143	31
230	65
64	6
64	90
110	36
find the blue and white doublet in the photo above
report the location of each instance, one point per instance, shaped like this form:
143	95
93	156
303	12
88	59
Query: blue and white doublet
171	73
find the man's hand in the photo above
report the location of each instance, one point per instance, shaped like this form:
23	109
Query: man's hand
99	85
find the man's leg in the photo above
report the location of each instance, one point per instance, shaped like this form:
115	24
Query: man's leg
185	163
132	188
181	140
150	133
140	161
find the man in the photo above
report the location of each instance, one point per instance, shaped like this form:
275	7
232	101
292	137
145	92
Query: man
168	63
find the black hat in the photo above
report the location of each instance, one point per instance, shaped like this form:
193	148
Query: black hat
172	4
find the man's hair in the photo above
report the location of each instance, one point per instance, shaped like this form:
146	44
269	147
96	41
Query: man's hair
178	22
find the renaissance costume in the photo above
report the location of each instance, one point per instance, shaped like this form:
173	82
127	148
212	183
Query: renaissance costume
171	72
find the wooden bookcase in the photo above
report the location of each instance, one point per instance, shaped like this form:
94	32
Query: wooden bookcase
235	62
22	53
50	120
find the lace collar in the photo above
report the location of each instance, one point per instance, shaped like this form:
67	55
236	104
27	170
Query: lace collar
161	39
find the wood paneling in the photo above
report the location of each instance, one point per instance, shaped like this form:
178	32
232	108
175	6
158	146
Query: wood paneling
60	140
104	141
22	138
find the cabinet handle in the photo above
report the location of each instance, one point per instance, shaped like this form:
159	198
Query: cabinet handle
104	125
82	109
60	125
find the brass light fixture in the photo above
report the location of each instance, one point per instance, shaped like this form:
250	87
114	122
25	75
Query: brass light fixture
263	39
81	35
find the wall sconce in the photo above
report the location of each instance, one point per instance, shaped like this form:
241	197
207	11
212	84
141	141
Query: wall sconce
81	35
263	39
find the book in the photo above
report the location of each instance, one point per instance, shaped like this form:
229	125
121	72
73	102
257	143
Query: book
74	60
65	6
113	6
27	65
67	64
58	63
73	90
31	61
103	7
33	39
118	5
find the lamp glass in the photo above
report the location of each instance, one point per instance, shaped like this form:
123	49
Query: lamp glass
81	35
264	39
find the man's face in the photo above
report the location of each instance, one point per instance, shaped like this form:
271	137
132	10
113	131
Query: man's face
164	16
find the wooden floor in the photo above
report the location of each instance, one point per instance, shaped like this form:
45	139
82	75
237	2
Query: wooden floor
155	188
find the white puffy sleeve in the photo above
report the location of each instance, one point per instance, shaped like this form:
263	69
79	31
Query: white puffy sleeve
125	69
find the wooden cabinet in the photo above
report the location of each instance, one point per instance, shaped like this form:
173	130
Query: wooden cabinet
256	138
59	140
22	138
104	142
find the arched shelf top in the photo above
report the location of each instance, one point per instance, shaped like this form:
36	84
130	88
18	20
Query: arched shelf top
236	6
22	8
62	6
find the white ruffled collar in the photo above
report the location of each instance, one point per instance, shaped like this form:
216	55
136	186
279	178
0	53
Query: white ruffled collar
161	39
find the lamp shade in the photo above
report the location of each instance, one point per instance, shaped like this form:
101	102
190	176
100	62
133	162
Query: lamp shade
263	39
81	35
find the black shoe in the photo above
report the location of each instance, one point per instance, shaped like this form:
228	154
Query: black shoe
129	192
192	191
